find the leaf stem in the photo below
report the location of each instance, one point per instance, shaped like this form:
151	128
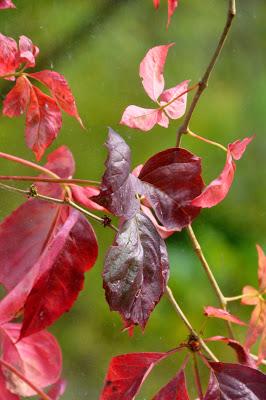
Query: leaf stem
235	298
222	299
180	313
180	95
50	180
197	376
204	81
66	201
190	133
38	391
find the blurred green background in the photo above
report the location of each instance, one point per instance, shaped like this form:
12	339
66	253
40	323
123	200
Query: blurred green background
98	45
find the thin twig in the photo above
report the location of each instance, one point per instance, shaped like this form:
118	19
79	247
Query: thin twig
53	200
207	269
197	376
204	81
49	180
38	391
190	133
180	313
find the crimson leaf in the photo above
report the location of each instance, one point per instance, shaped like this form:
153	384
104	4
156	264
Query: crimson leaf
136	270
174	390
238	381
126	374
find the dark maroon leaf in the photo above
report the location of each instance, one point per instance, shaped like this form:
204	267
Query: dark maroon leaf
238	381
33	224
174	390
126	374
117	192
136	270
170	180
213	390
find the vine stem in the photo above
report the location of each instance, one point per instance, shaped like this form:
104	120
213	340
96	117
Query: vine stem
222	299
49	180
197	376
66	201
38	391
204	81
181	314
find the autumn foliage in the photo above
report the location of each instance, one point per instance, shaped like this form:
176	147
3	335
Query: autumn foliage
56	244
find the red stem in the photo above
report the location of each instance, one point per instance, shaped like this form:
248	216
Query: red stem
38	391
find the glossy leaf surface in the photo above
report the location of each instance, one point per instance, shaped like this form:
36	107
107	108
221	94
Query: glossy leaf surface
174	390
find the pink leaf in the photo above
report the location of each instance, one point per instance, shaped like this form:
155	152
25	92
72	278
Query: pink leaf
238	148
38	357
5	394
141	118
172	4
6	4
82	195
8	55
60	89
218	313
27	52
156	3
177	108
126	374
32	225
251	296
174	390
257	324
17	99
151	70
261	268
43	121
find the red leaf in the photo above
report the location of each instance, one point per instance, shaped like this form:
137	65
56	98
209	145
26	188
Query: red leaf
27	52
237	381
60	89
8	55
32	225
169	180
126	374
136	270
73	251
172	4
174	390
217	190
17	99
156	3
143	118
163	232
38	357
6	4
257	324
57	390
238	148
242	355
218	313
43	122
151	70
177	108
261	268
117	191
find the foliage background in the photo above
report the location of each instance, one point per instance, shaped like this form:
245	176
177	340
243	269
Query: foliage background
98	45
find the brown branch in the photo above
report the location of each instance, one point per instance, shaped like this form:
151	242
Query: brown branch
197	248
205	79
180	313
